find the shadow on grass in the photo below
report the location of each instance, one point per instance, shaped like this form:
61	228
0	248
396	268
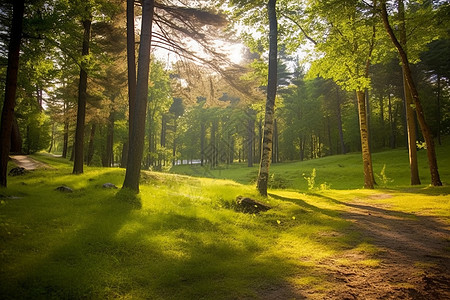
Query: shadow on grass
111	249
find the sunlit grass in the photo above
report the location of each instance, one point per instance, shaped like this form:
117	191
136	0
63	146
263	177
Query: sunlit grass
180	238
337	172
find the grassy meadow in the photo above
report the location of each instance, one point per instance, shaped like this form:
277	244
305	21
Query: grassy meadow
180	238
335	172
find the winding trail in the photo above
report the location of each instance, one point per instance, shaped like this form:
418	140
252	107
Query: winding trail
413	256
27	162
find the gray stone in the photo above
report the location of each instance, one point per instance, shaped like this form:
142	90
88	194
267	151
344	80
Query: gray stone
109	186
249	205
17	171
64	189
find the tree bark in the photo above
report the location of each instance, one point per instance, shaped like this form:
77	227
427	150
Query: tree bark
10	88
16	138
409	111
339	118
426	132
365	147
131	64
137	136
275	142
109	153
438	109
90	153
264	166
81	110
250	138
202	142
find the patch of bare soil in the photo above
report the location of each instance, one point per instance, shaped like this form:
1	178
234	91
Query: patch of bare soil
27	162
413	261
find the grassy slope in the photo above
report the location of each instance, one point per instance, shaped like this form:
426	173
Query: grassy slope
340	172
182	242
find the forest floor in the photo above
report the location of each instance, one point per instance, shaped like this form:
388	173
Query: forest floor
380	244
412	260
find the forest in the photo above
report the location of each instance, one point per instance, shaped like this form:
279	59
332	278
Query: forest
334	116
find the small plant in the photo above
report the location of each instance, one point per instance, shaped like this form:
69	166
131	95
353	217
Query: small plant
382	176
325	186
311	180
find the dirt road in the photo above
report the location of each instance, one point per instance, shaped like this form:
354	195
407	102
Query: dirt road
414	261
27	162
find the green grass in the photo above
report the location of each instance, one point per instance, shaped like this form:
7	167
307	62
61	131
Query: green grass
180	237
337	172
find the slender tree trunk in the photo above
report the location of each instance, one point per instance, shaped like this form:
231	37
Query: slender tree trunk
264	166
82	97
365	147
426	132
174	145
213	144
411	130
65	138
409	111
90	153
109	153
382	125
52	138
138	123
275	142
438	109
250	139
10	88
131	65
302	148
202	143
339	118
391	124
124	158
330	141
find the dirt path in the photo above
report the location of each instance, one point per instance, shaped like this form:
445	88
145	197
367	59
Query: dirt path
27	162
414	261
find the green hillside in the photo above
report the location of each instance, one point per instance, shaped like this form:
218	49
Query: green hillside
337	172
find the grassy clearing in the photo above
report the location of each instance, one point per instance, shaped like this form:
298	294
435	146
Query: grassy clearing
335	172
178	239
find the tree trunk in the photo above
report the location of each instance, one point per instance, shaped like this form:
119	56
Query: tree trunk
213	145
124	158
137	136
275	142
202	143
339	118
438	109
82	97
250	139
131	65
392	139
109	153
10	87
264	166
174	145
16	138
426	132
65	138
52	139
409	111
90	153
365	147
